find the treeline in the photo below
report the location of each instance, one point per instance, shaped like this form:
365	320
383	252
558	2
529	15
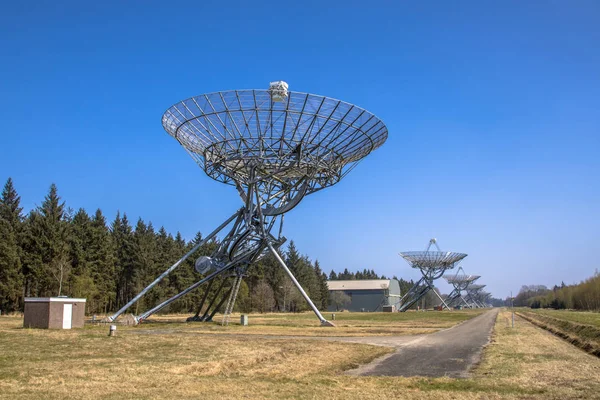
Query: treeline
497	302
358	275
55	251
581	296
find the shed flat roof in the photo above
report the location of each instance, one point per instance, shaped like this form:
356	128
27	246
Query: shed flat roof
53	300
367	284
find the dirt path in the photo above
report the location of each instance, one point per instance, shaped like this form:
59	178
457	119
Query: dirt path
451	352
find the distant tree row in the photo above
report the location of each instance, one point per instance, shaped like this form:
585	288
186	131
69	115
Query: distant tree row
358	275
582	296
497	302
55	251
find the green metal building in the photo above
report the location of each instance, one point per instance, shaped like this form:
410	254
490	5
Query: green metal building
364	295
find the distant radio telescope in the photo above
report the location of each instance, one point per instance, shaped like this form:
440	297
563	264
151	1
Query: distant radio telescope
432	265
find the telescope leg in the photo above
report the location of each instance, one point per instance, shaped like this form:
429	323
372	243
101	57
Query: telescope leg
182	293
218	307
196	316
172	267
471	302
205	316
464	301
413	289
438	295
413	295
474	302
452	297
324	322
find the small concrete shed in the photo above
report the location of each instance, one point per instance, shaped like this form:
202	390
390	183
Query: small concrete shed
54	312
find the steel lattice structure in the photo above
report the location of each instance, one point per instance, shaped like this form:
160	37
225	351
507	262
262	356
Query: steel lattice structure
432	265
473	294
460	282
275	146
484	299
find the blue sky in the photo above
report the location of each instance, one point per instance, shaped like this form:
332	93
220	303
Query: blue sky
493	111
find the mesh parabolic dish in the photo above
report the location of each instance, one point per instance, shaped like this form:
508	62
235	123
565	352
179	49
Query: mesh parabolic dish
461	278
305	137
432	259
475	287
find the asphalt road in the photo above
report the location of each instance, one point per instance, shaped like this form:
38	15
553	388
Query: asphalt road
451	352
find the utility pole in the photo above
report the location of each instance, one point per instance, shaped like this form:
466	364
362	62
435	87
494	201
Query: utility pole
512	307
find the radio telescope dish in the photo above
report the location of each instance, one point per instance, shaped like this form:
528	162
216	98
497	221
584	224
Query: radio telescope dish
460	282
474	294
432	259
432	265
475	288
297	140
275	146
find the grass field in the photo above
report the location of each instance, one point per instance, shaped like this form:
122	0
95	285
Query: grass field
306	324
582	329
524	362
579	317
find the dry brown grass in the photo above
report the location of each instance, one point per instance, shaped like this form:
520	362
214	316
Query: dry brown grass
584	336
306	324
534	360
86	363
522	363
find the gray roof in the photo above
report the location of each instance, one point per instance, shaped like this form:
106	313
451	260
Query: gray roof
367	284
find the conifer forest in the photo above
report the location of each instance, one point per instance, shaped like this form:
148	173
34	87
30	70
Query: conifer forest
54	250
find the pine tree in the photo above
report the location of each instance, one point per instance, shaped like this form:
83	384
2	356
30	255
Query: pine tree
54	250
302	269
182	277
122	235
255	274
323	288
10	269
310	281
243	300
164	257
143	258
31	259
292	258
347	275
81	281
101	261
11	225
405	286
275	277
80	240
48	240
10	208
